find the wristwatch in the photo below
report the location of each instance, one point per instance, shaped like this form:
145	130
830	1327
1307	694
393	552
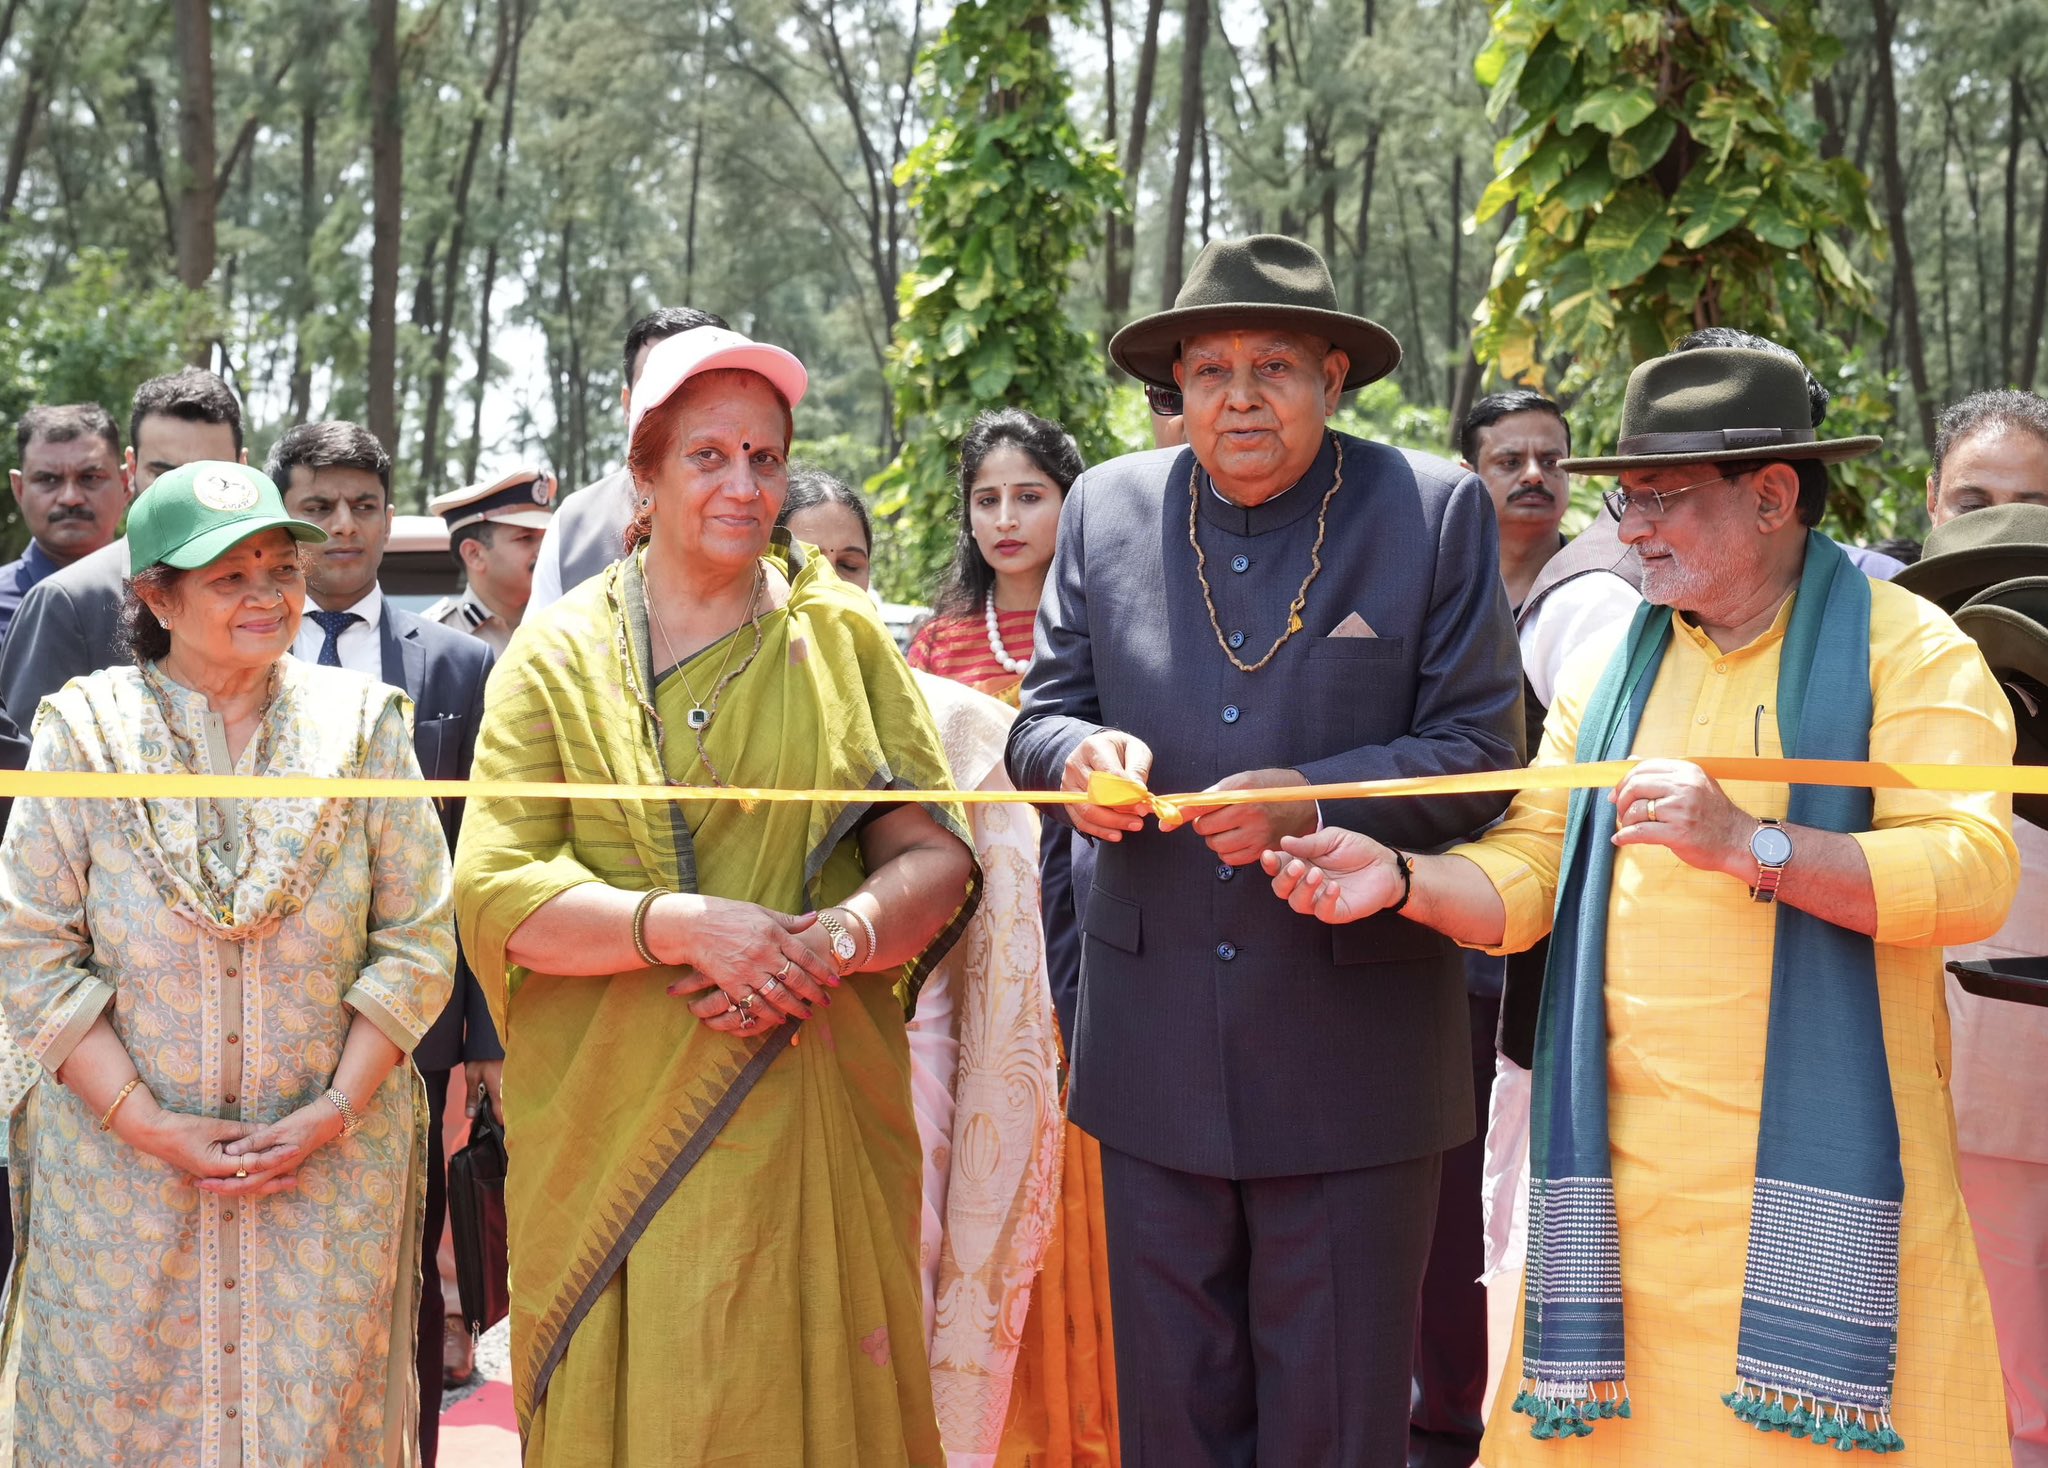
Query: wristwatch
1772	848
843	946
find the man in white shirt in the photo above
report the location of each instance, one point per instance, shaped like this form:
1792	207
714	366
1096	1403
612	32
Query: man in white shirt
339	477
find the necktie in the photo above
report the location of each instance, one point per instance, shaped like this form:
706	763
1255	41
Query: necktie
333	624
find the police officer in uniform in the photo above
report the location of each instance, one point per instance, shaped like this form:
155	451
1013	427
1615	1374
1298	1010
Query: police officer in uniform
494	533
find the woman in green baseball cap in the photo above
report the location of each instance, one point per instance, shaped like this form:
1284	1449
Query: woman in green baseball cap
228	1170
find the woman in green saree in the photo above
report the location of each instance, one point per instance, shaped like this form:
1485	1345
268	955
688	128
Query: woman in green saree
714	1189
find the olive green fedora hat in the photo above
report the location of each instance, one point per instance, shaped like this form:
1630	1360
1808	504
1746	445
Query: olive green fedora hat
1266	280
198	512
1718	405
1978	549
2009	624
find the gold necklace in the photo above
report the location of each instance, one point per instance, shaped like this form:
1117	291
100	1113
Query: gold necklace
701	715
1315	569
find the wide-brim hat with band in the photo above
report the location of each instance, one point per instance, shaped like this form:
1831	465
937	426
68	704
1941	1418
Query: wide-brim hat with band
198	512
674	360
1978	549
1718	405
1267	280
525	497
2009	624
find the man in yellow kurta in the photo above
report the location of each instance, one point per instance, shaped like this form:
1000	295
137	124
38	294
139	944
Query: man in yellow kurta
1744	1142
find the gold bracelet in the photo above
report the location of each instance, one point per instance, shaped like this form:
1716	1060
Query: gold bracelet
350	1118
640	927
107	1121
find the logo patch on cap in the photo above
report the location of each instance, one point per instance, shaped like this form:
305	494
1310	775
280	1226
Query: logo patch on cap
227	493
543	490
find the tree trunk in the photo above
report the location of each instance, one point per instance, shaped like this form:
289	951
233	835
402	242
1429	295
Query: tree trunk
1942	276
1109	128
2037	305
458	252
1371	163
1453	356
387	202
2009	302
41	69
309	222
192	27
1194	39
1420	370
1119	301
1885	100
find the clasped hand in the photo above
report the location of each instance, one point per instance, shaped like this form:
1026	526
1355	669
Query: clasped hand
1237	834
747	960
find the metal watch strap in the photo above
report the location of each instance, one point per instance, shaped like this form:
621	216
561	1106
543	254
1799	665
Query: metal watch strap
836	930
1767	877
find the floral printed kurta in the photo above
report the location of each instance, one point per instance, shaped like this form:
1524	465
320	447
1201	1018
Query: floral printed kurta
231	945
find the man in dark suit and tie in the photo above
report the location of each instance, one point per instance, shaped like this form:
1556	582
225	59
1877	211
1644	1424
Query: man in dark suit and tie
1272	604
339	477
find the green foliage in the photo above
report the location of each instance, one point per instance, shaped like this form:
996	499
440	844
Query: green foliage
93	337
1664	176
1008	199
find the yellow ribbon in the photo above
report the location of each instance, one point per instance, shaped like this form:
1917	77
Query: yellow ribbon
1105	790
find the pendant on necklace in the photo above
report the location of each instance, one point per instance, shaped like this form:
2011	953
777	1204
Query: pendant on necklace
700	718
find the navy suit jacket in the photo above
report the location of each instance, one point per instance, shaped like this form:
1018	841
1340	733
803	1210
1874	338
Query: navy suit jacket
443	671
1219	1032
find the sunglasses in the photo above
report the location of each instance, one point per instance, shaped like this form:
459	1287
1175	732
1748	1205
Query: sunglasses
1165	401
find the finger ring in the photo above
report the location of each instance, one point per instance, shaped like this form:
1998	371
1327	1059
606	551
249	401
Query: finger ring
1650	810
774	982
783	972
746	1019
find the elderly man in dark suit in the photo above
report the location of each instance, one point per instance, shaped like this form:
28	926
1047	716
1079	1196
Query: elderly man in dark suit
1272	604
338	476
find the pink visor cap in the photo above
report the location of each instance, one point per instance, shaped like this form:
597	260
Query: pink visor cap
674	360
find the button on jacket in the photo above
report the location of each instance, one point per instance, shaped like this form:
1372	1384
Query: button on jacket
1219	1032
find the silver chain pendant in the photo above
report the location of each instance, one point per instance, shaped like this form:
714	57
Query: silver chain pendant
700	718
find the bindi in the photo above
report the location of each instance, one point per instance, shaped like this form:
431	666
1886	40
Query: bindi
745	447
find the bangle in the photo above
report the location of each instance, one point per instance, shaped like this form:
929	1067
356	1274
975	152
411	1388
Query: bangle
350	1119
107	1121
1407	865
869	929
640	927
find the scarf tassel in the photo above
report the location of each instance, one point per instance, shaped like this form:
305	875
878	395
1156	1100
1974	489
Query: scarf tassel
1829	1424
1569	1409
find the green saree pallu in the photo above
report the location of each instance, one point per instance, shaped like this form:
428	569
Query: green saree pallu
713	1236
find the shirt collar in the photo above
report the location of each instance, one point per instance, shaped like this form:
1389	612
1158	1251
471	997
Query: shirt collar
370	607
1765	641
1286	507
39	561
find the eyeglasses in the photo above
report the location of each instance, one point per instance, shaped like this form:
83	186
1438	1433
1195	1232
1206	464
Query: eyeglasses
1650	503
1165	401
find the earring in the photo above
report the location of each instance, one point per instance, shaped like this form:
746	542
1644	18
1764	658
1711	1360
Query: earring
163	623
646	504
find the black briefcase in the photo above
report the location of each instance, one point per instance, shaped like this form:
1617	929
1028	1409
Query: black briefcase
476	1221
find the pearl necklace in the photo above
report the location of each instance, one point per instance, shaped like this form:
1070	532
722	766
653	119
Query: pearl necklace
995	639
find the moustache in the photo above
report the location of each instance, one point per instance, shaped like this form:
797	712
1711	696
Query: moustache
70	512
1532	492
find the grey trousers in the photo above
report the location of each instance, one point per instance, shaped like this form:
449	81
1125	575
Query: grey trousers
1266	1322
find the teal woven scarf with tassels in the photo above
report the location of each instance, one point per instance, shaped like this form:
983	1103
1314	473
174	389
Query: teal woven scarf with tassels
1820	1298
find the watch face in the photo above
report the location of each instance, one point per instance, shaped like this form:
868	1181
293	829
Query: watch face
843	945
1770	846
